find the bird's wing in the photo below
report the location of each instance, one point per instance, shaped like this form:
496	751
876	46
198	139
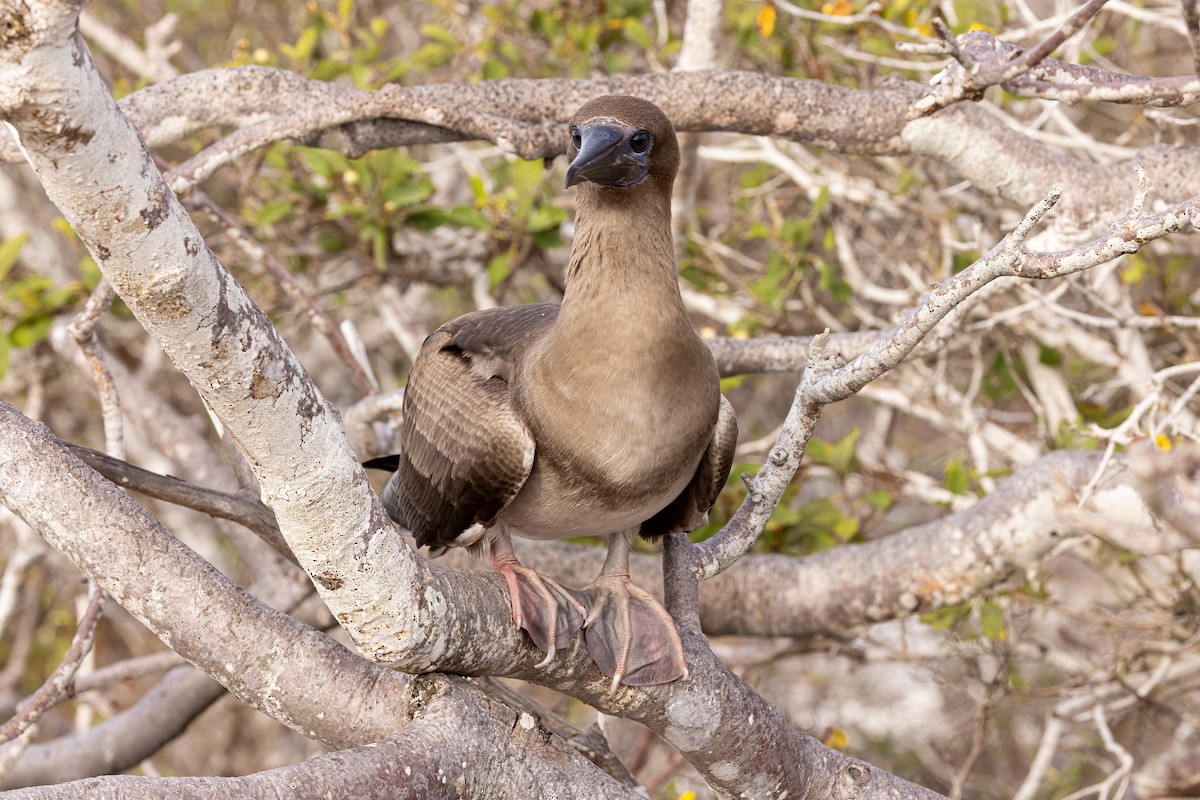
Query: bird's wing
689	510
465	452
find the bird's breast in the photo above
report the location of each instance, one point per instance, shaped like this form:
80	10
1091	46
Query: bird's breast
619	436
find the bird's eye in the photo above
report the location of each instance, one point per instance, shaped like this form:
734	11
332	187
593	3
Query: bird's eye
640	142
576	139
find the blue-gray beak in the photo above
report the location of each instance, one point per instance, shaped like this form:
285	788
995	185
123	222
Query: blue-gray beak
606	157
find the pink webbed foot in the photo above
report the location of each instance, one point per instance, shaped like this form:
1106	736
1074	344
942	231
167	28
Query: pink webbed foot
631	636
549	612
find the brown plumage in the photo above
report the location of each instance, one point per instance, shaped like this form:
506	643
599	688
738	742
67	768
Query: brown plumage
601	416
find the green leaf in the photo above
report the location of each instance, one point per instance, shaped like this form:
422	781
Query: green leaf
477	189
991	621
493	70
820	203
526	176
847	527
499	267
426	219
30	331
303	49
433	55
325	163
5	351
548	240
9	250
839	456
90	273
379	249
438	34
637	34
946	617
28	290
998	380
330	241
272	212
408	194
880	499
957	479
545	218
962	260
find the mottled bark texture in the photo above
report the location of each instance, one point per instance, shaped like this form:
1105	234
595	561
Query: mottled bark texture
267	658
525	116
438	755
95	167
400	610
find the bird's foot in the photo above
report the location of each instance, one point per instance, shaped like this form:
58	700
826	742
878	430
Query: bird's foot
631	636
548	611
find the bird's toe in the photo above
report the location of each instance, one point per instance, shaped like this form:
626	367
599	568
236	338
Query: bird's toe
550	613
631	636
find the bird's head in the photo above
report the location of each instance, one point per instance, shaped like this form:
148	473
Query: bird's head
619	141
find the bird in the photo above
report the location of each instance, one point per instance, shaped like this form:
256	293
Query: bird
598	416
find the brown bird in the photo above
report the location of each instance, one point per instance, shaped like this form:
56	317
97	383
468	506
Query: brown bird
599	416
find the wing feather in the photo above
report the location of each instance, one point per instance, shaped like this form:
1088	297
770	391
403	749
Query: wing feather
465	451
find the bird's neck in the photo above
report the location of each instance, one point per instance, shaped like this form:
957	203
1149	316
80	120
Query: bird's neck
622	265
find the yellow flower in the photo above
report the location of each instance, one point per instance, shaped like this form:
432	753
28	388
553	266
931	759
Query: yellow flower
766	19
838	8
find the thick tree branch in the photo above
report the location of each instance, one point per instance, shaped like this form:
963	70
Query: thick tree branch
437	755
910	572
978	146
268	659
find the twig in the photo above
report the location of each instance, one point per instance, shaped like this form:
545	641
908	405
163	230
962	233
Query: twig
246	511
1047	748
971	77
1191	20
766	489
83	329
152	63
28	551
1054	79
1120	776
57	687
1156	473
127	670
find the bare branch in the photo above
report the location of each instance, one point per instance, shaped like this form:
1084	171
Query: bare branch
121	742
967	78
701	33
1191	19
57	687
1052	79
84	331
247	511
152	63
438	755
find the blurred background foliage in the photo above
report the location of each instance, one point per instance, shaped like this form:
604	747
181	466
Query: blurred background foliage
775	239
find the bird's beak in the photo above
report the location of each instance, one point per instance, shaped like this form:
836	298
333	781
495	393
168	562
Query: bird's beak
605	157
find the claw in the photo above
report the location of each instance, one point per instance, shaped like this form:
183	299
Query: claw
542	607
630	635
